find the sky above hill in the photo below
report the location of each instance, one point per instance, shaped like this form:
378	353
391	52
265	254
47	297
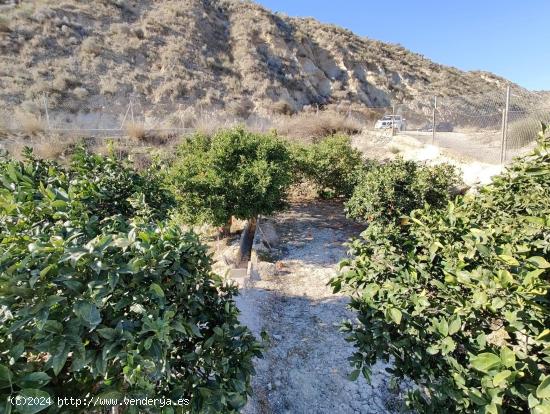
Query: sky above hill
506	37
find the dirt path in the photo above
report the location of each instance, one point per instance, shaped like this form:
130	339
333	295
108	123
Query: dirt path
305	367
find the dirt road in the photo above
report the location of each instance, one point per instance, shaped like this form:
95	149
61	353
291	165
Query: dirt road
485	147
305	368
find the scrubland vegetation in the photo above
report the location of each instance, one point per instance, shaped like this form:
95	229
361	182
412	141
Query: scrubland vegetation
230	55
102	291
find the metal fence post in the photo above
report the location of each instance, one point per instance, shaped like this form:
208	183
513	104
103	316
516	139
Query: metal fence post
45	101
505	112
132	110
125	116
434	127
393	120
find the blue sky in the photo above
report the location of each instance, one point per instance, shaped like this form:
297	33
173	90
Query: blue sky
508	38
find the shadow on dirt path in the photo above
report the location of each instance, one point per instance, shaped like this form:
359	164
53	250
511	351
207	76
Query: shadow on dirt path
305	367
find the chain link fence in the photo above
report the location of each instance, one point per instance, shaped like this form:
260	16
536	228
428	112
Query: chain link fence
491	128
100	116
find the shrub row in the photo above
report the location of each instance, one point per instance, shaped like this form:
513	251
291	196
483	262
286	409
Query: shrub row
242	174
458	298
96	299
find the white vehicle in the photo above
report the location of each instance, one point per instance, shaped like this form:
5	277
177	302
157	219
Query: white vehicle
391	121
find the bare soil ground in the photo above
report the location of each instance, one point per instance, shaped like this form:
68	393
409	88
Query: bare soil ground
417	147
305	367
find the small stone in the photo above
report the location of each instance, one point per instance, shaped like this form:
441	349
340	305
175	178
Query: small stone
278	383
277	337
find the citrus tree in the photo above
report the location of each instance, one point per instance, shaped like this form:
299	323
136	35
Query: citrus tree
332	165
458	298
99	300
387	191
231	173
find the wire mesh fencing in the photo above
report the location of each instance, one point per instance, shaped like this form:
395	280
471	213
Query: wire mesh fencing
523	122
100	116
491	128
470	126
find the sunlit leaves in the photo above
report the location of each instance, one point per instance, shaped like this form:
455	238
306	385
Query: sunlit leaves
233	173
96	297
472	279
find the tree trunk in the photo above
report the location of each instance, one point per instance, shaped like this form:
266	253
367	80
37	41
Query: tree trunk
245	246
226	228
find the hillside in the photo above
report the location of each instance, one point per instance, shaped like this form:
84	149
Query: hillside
229	55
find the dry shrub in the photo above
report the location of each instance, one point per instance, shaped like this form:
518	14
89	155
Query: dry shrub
188	117
60	83
394	150
108	86
315	126
52	147
4	25
15	147
91	46
141	160
282	107
29	123
138	132
159	138
240	108
55	147
80	92
135	131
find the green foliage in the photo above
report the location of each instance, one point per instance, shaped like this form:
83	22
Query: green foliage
233	173
93	300
107	186
332	165
389	191
458	299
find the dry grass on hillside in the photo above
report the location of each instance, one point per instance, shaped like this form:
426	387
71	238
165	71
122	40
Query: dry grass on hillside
228	55
135	131
314	126
29	123
50	146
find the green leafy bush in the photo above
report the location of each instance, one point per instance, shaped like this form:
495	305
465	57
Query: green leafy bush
458	299
106	186
332	165
232	173
110	305
388	191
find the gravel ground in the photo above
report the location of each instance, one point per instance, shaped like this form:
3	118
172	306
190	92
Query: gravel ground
305	368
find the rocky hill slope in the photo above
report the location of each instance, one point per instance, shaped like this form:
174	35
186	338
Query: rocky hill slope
226	54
